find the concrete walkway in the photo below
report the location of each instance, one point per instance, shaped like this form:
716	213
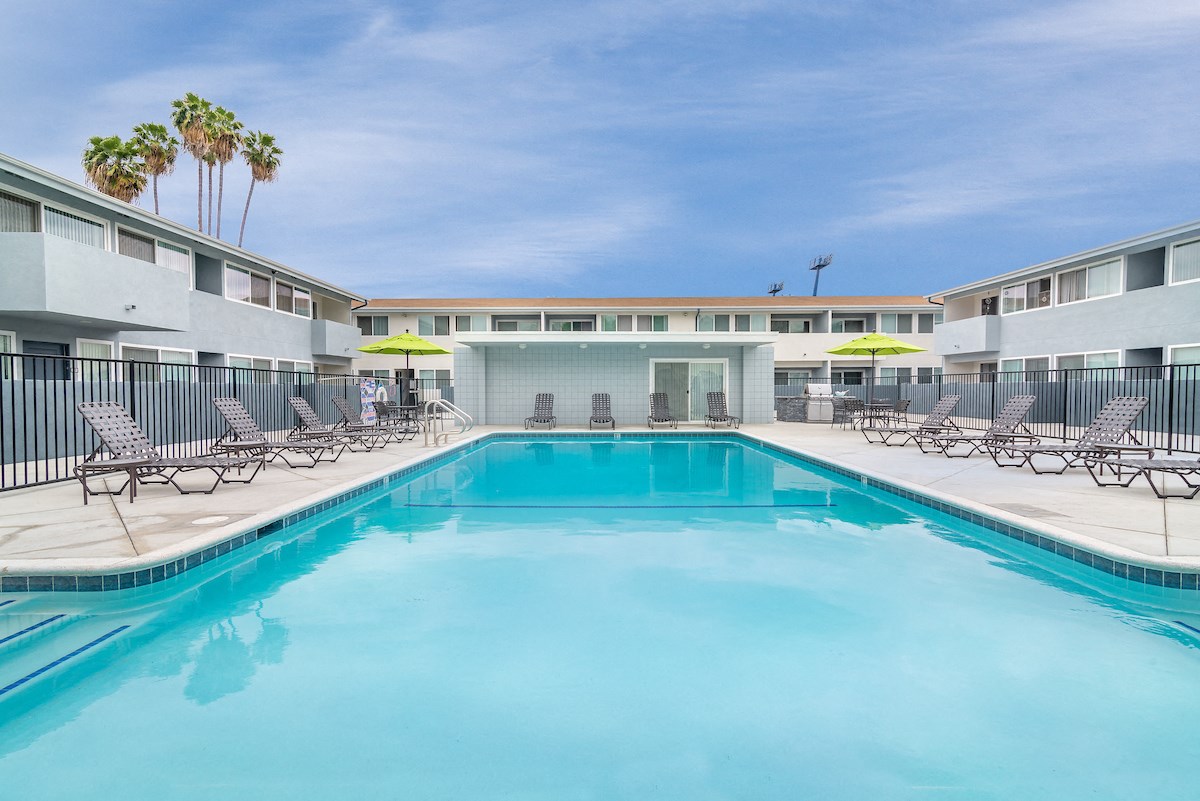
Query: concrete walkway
48	530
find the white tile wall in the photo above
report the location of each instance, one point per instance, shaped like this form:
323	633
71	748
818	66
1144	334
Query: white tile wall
497	384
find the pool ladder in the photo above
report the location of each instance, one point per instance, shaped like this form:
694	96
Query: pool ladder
434	421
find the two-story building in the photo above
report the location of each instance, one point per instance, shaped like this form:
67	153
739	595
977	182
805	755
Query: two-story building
1129	304
83	274
504	350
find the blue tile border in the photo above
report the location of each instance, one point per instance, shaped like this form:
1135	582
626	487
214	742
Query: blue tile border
108	582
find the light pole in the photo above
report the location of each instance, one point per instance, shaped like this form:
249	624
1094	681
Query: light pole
818	264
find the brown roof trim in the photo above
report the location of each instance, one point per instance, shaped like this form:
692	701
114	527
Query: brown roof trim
761	302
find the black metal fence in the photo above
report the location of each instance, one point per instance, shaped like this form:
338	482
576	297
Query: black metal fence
1067	400
42	436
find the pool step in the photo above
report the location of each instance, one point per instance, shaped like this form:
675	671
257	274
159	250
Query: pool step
33	646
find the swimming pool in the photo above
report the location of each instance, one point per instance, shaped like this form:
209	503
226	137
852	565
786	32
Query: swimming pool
648	617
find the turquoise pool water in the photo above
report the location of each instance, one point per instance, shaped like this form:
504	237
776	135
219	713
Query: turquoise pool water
633	619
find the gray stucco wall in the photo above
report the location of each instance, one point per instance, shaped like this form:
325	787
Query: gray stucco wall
1146	318
47	274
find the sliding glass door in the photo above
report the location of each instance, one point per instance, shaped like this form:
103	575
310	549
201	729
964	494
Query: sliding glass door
687	384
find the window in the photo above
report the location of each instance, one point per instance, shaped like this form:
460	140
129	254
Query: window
529	323
135	246
925	374
247	287
373	325
1185	262
898	375
895	323
790	324
1180	354
750	322
1031	368
375	373
439	376
652	322
94	349
433	325
17	215
293	299
846	377
616	322
293	366
173	257
260	366
1080	361
855	325
785	378
74	227
164	356
8	344
564	324
1033	294
471	322
712	322
926	322
1097	281
630	322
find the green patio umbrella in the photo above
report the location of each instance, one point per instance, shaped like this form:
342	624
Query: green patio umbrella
406	343
873	344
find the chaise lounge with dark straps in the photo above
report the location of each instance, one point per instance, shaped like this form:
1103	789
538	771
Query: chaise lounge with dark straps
718	412
660	411
937	422
1007	428
1103	438
543	411
129	451
601	411
311	425
352	421
245	437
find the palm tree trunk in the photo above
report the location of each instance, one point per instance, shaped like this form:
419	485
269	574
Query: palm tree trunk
199	195
155	179
210	199
249	194
220	195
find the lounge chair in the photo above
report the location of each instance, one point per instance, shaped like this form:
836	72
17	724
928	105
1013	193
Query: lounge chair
390	413
129	451
352	421
1008	427
938	421
245	437
718	412
601	411
1102	438
660	411
543	411
311	426
1145	467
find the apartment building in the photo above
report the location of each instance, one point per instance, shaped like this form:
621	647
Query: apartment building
83	274
1129	304
504	350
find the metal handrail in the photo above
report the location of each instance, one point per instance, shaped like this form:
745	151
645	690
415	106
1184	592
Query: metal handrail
432	420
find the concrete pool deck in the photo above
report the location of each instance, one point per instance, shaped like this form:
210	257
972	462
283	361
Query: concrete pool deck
48	531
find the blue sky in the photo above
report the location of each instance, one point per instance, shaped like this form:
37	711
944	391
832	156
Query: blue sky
625	147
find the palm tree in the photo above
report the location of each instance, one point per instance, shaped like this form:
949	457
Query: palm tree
188	118
158	150
225	134
262	156
210	159
114	167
